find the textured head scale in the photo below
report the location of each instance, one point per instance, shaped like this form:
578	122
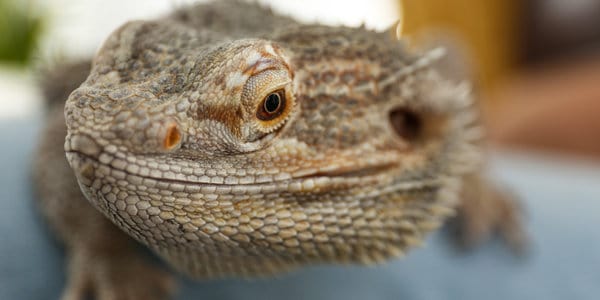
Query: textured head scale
251	156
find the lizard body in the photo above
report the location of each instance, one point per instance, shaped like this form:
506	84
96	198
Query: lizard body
236	142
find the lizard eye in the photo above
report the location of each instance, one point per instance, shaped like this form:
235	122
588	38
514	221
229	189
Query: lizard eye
269	100
272	106
406	123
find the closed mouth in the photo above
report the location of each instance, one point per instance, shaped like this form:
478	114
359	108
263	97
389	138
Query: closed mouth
314	181
363	171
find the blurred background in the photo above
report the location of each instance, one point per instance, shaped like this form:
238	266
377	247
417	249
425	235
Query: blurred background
536	62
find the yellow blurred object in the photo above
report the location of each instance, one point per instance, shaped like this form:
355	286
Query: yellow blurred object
487	28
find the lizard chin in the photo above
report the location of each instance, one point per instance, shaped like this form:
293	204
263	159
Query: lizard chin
344	215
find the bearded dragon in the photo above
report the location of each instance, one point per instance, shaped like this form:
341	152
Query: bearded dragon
232	141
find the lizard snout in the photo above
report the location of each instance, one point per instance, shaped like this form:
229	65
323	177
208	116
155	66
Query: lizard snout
82	144
81	150
144	134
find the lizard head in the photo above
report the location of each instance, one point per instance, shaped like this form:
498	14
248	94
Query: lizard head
245	156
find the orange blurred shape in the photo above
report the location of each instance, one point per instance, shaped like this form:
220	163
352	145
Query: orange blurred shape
488	29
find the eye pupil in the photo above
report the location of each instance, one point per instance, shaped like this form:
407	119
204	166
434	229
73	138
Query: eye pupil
272	103
272	106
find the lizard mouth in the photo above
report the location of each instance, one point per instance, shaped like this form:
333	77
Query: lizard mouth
88	168
348	172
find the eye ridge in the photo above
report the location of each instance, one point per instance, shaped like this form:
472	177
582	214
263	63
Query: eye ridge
272	106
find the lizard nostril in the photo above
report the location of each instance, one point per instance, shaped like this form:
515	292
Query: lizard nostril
407	124
172	137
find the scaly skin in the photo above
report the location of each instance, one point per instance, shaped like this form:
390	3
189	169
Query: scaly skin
171	140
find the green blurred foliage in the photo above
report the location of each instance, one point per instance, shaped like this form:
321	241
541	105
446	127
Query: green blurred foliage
20	31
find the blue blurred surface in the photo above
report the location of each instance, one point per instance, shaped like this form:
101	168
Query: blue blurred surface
561	198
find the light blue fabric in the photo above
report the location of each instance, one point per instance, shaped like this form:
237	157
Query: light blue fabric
561	198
